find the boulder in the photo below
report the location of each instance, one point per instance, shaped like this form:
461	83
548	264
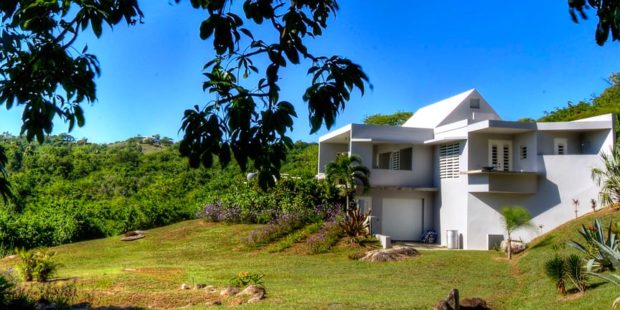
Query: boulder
453	303
396	253
210	289
474	304
517	246
254	291
185	286
229	291
200	286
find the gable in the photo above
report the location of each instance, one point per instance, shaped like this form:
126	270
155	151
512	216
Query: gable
453	109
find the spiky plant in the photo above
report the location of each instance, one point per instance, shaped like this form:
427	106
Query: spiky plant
556	270
592	234
608	178
574	271
354	225
348	173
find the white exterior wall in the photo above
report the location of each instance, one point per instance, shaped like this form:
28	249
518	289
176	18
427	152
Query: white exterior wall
564	178
364	151
452	200
328	152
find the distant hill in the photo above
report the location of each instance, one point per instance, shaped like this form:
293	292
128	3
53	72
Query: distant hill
607	102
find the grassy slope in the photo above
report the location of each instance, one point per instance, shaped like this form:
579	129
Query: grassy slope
195	252
535	291
149	272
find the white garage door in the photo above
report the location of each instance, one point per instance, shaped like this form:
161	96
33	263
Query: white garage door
402	218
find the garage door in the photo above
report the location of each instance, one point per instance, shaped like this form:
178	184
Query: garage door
402	218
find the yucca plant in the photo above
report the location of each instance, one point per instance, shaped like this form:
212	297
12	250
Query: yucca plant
555	269
592	235
574	271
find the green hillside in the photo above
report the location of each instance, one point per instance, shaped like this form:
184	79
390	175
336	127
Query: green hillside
67	190
149	272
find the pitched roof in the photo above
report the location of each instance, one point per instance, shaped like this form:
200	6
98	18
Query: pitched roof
432	115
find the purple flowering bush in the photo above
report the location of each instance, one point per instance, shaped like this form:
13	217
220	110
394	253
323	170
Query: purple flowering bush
323	241
283	225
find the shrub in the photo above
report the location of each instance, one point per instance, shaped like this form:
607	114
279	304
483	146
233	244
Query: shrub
6	287
323	241
243	279
37	264
354	225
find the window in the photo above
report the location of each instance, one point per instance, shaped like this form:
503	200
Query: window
523	152
560	146
474	103
394	160
449	160
500	154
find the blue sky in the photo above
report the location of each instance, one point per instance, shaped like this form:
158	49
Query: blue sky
524	57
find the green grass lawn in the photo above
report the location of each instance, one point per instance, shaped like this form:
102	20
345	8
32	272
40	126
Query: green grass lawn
149	272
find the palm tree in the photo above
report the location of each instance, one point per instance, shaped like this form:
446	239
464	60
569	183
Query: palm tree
348	172
514	218
608	178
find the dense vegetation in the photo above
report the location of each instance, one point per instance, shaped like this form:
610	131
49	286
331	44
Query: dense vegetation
395	119
68	190
607	102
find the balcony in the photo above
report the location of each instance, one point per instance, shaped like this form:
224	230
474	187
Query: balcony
502	182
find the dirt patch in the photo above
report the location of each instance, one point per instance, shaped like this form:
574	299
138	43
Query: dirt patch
171	274
570	297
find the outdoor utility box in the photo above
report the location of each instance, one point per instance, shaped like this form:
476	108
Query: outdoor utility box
452	237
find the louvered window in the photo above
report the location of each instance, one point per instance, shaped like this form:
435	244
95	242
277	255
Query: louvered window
395	160
560	146
449	160
523	152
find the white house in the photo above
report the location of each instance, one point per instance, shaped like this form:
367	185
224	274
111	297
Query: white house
454	164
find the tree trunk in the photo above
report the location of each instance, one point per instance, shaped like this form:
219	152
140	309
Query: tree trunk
509	247
347	206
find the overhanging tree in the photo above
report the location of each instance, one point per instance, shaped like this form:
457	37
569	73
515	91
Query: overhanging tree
42	70
608	13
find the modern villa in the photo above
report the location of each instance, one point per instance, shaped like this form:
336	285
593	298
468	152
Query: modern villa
455	163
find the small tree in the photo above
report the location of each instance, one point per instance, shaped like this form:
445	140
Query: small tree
348	172
514	218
